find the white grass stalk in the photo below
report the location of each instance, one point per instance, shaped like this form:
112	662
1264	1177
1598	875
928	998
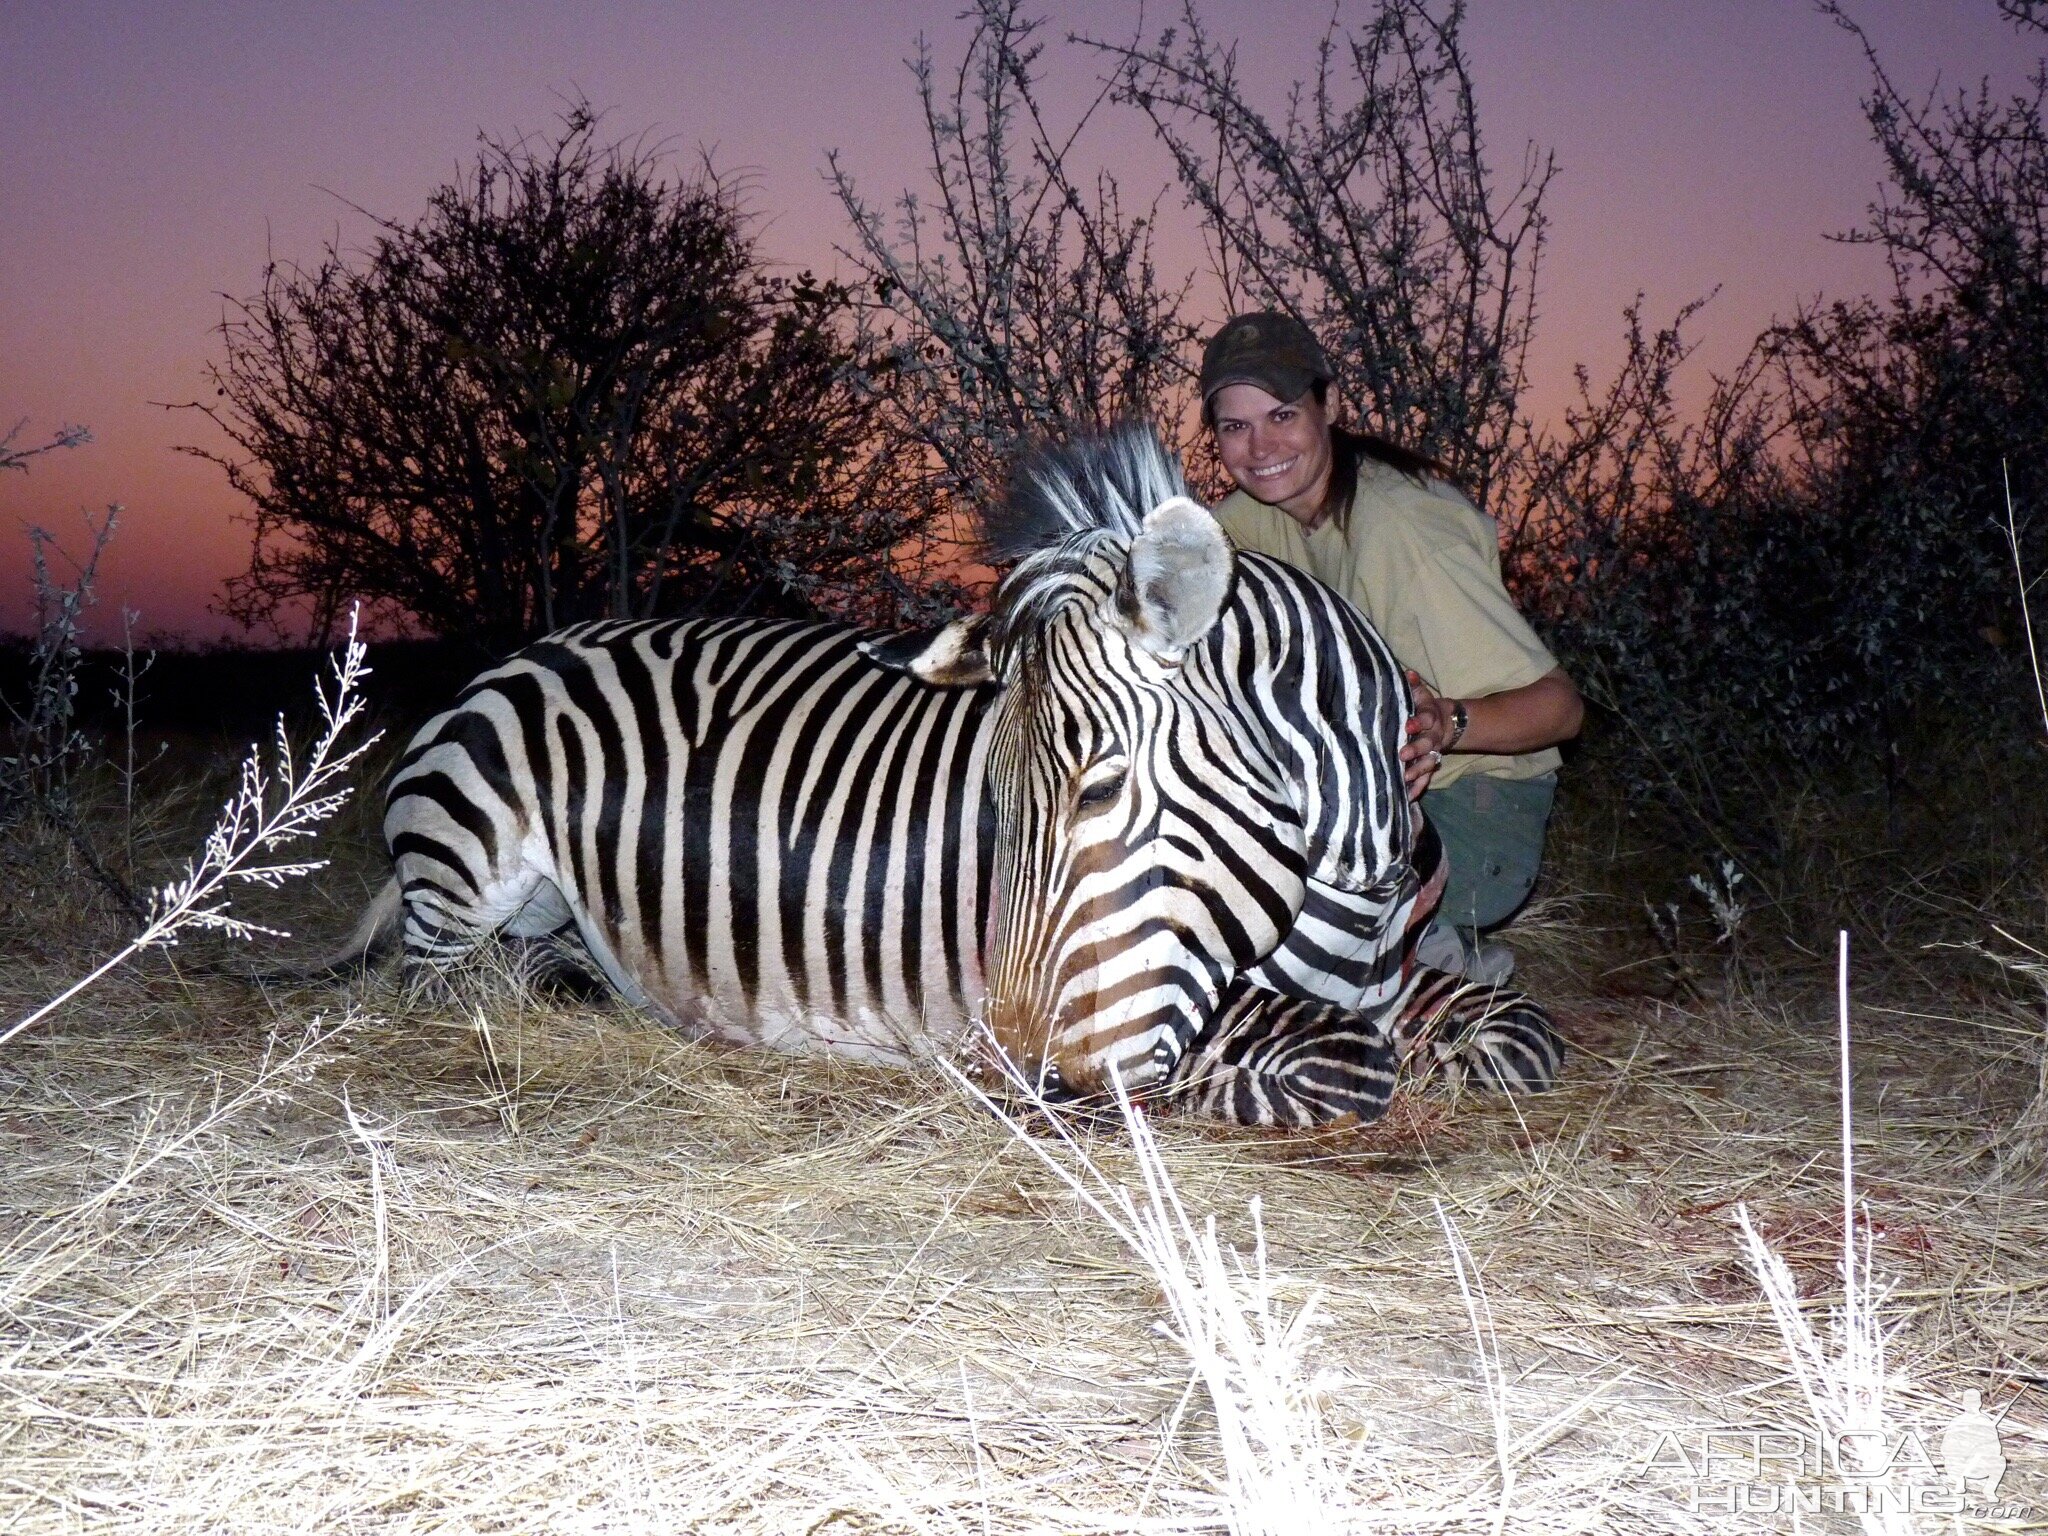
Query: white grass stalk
377	1157
33	1260
283	802
1842	1380
1281	1475
2019	573
2028	1139
1486	1342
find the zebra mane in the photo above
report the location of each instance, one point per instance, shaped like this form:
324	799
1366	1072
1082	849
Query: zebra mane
1099	484
1065	502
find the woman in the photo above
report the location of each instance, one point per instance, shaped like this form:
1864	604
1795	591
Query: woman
1384	527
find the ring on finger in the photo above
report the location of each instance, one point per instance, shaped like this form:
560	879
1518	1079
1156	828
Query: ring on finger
1435	757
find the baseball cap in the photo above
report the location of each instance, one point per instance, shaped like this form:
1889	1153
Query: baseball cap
1274	351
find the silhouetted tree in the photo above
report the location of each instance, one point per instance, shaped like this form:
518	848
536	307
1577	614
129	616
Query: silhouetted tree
568	391
1913	404
1804	577
2025	13
43	747
1671	559
1910	412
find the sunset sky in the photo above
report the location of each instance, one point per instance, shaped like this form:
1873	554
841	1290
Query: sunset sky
151	154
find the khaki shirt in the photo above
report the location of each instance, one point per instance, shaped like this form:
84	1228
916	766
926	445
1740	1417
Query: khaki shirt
1423	564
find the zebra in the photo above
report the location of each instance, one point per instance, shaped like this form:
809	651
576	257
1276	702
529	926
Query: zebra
1129	821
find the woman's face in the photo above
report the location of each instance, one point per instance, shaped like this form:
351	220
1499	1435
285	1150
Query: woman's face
1278	451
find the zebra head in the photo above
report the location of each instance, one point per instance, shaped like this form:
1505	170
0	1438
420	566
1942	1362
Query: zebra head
1157	811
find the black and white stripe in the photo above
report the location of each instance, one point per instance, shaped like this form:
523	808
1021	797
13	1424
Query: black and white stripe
1269	1059
1275	1059
1195	746
1155	790
754	827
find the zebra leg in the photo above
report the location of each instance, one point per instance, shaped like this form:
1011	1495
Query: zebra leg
450	910
1273	1060
1477	1033
559	963
1432	874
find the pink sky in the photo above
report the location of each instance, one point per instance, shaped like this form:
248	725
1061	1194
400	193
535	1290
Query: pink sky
151	154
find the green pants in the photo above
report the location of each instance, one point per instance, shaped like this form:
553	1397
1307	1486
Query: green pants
1492	830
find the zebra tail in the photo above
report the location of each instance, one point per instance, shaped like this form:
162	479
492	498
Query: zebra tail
374	938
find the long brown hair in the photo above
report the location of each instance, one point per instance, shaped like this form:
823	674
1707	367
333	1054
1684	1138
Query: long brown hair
1350	448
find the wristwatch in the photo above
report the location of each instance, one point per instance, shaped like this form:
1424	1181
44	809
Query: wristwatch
1460	718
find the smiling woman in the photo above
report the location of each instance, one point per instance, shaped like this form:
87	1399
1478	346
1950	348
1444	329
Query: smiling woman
1385	527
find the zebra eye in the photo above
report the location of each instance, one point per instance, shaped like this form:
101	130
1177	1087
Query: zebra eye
1101	791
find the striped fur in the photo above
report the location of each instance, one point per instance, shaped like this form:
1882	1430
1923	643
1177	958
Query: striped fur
1267	1059
1133	816
1280	1052
1193	745
753	826
1480	1034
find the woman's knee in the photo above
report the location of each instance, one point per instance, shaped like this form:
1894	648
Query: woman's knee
1493	831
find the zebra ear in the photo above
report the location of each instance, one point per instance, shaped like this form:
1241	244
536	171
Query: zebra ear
1177	581
951	656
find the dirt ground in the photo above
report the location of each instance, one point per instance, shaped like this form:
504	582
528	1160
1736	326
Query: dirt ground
340	1259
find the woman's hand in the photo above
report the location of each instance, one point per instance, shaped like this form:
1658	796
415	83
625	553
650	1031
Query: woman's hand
1429	733
1525	719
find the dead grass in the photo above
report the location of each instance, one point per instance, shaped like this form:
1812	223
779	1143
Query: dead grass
320	1261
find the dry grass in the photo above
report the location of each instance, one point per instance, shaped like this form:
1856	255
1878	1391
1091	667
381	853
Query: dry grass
331	1261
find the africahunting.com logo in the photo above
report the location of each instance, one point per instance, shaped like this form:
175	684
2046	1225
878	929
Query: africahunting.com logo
1953	1468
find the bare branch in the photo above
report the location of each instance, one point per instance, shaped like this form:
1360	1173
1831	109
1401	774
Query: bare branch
12	457
1368	211
278	803
1021	301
